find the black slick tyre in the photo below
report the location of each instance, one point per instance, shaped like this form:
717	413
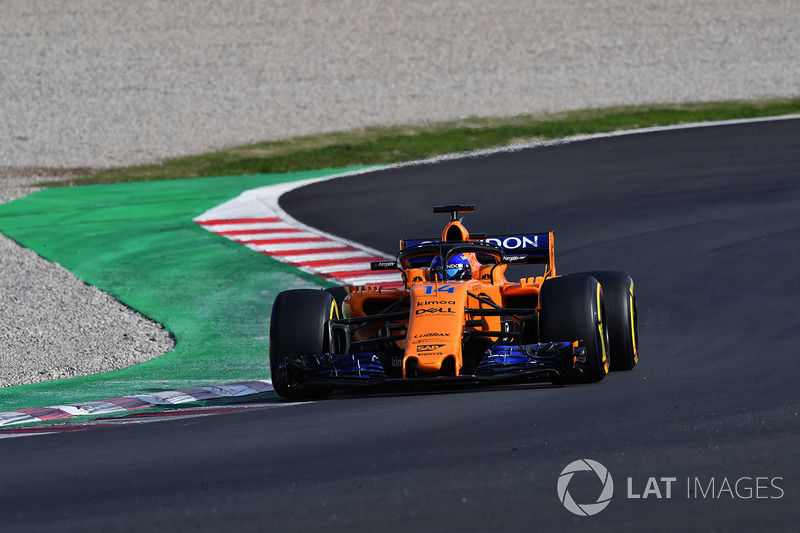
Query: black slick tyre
571	309
299	325
623	325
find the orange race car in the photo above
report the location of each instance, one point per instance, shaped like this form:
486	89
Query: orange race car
456	318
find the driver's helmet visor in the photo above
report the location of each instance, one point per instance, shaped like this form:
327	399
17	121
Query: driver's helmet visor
455	271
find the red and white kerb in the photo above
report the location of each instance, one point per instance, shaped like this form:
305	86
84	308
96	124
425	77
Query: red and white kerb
251	221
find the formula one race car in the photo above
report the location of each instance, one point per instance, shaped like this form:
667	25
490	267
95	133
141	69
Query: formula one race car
456	318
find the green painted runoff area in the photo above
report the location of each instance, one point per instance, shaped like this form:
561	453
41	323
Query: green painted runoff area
137	242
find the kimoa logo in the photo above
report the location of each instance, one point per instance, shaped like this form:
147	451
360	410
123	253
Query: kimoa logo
586	509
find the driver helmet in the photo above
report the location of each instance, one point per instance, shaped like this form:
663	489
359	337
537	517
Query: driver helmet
457	268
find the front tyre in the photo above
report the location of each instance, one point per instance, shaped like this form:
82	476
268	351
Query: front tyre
571	309
623	324
299	325
338	293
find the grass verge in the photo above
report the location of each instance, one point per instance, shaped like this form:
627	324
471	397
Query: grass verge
384	145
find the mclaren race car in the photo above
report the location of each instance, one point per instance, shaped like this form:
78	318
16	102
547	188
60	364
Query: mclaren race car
456	318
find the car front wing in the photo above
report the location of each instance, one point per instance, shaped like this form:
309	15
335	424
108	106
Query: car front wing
501	363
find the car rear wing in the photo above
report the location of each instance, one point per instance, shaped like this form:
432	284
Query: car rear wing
537	248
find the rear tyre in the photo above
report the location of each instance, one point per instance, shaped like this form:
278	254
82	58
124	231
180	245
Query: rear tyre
299	325
623	324
571	309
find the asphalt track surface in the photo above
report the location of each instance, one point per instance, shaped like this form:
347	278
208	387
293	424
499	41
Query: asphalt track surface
707	222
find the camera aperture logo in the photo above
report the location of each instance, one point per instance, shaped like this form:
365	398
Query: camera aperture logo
585	509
